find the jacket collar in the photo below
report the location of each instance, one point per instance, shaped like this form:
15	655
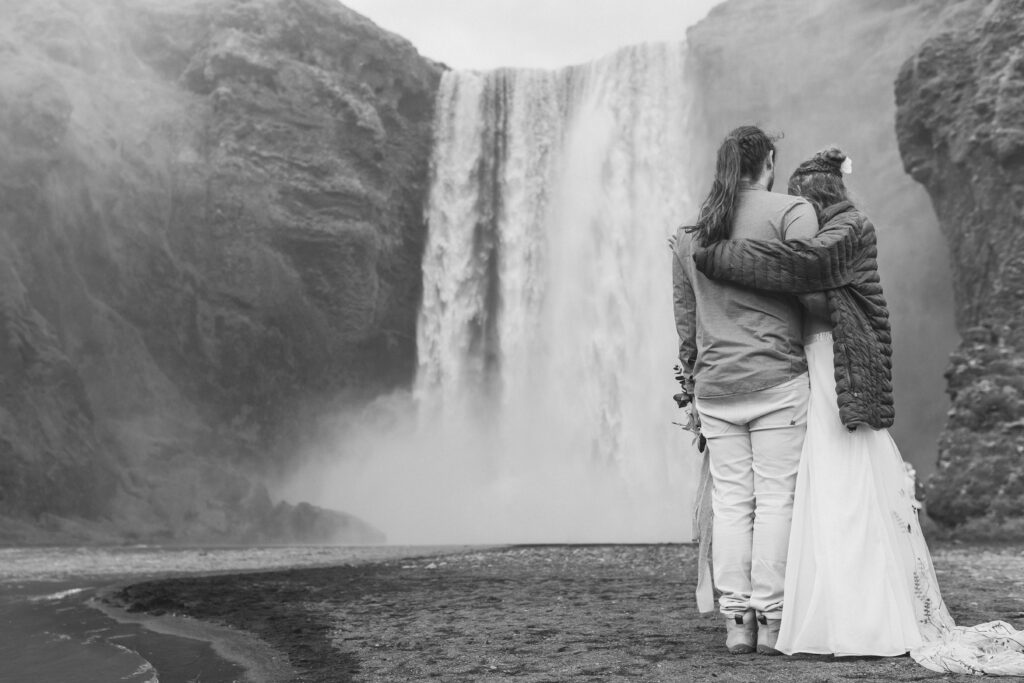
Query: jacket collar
829	212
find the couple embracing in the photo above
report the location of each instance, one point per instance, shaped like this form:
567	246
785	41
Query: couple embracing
785	348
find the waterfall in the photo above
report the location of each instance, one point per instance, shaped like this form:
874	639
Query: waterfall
542	407
546	337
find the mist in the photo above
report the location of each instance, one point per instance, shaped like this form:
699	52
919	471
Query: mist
423	484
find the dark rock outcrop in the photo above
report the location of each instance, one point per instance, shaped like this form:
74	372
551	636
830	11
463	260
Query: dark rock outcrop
210	230
821	73
961	132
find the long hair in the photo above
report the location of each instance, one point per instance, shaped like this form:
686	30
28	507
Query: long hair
819	180
741	156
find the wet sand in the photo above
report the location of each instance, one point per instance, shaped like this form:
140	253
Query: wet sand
56	623
535	613
67	639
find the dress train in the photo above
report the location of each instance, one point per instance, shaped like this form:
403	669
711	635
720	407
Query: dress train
859	577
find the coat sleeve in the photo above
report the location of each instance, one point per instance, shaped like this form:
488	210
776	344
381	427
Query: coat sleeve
686	319
800	265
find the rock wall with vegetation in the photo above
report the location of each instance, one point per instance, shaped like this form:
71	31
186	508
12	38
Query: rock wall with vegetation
210	233
961	132
822	73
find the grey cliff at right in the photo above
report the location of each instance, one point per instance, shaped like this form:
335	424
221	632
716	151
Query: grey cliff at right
960	122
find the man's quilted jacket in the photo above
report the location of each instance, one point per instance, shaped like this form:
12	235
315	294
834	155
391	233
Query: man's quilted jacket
841	260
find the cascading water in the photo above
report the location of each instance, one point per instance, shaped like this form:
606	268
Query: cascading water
542	408
546	336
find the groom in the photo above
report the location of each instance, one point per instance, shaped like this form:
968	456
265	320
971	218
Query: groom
744	368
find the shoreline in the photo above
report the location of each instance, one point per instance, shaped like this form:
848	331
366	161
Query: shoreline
260	661
63	635
62	623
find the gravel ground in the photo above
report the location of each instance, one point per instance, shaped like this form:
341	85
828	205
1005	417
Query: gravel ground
539	613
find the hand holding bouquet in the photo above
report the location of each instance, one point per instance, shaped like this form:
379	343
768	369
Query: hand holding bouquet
689	419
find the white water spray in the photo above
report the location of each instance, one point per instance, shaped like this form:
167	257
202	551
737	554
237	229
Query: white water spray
546	337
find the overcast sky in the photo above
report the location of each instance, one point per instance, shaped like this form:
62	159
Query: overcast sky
485	34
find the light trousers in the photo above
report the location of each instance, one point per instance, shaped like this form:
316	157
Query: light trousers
754	441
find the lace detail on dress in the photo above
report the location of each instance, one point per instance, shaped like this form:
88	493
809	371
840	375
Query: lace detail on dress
994	648
818	337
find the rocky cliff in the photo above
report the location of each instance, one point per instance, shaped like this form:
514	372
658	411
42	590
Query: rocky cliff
821	72
210	232
961	133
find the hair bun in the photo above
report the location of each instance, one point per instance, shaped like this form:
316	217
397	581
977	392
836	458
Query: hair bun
832	155
830	161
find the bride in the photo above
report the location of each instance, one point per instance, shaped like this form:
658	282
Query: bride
859	578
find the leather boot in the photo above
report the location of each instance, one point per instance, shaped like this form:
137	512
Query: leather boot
741	633
767	635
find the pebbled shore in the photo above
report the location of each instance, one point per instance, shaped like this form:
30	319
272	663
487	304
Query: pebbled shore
536	613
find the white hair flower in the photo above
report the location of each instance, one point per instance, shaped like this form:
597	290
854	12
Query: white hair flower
847	166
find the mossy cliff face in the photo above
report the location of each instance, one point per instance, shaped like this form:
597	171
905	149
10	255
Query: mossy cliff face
821	73
210	227
961	132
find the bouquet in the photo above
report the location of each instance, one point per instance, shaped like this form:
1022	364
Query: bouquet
688	417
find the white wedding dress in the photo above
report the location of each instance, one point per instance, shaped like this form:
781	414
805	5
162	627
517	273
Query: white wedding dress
859	578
